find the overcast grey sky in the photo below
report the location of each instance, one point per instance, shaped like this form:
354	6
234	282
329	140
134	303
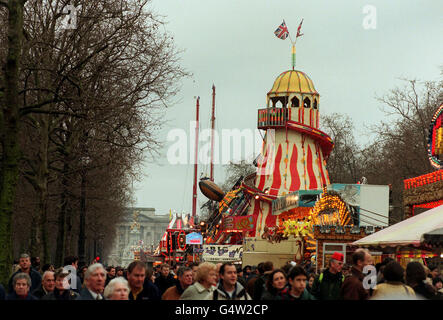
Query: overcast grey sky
230	43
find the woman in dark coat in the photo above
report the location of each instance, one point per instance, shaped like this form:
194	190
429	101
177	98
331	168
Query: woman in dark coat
277	281
415	276
60	292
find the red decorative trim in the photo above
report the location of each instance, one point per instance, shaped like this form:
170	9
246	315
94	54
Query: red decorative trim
323	139
255	214
423	179
263	165
276	183
255	192
271	220
317	115
295	179
428	205
320	165
312	178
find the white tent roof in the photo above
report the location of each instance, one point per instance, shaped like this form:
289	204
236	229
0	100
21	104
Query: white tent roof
407	232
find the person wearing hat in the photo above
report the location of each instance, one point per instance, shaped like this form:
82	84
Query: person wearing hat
328	284
62	289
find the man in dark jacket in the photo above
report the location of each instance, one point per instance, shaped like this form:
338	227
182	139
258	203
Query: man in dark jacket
185	279
110	275
61	290
25	267
328	284
297	286
139	288
47	286
95	278
2	293
72	261
228	287
165	280
259	284
352	288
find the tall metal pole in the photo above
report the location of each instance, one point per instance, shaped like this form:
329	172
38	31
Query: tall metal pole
212	133
194	192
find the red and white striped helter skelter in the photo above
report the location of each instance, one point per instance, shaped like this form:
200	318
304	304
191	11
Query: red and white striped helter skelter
295	151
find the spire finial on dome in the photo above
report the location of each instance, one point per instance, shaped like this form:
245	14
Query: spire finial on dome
282	33
293	43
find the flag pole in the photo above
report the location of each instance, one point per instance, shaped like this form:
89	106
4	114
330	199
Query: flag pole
293	44
293	48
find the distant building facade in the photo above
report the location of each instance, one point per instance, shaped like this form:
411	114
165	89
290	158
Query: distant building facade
140	228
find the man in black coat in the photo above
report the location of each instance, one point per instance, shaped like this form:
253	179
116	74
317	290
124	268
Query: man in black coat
139	288
165	280
259	285
47	286
25	267
61	290
2	293
95	278
72	261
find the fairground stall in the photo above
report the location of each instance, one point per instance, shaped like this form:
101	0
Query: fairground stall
406	240
178	241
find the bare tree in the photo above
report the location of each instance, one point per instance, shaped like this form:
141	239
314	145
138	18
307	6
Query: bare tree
95	92
234	171
399	150
343	164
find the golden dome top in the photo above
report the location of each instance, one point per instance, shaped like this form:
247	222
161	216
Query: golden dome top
293	81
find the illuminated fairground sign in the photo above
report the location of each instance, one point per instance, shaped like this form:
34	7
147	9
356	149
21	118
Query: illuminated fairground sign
435	141
194	238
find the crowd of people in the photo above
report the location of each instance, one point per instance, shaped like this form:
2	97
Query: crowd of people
227	281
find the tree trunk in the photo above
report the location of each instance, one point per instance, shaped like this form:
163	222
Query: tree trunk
42	182
33	241
9	125
61	234
81	234
72	241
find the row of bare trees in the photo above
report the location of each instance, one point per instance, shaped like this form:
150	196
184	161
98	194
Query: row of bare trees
81	93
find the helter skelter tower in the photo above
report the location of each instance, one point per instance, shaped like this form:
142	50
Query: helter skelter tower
295	151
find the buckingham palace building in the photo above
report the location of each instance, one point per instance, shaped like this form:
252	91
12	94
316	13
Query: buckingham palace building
140	229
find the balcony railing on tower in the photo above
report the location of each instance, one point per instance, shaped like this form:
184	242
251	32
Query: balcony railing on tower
272	117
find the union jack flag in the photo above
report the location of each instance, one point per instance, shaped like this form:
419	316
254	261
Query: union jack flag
298	30
282	31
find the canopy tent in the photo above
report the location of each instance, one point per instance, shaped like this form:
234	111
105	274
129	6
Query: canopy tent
434	238
406	233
